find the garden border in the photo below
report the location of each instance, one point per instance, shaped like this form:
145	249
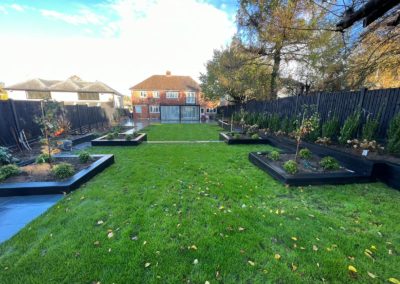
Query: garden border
381	170
308	179
102	141
58	187
231	141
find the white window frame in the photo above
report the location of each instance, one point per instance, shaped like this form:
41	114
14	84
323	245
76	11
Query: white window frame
156	94
143	94
190	97
172	95
154	109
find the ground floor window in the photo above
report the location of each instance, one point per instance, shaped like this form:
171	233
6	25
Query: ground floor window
154	109
138	109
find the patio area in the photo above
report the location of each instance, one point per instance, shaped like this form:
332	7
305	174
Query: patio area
198	212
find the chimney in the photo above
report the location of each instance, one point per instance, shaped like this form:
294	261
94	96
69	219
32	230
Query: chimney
168	73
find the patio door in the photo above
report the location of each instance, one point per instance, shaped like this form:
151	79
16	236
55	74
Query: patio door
190	113
170	113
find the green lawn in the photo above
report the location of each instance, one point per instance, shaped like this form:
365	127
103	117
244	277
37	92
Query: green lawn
171	206
182	132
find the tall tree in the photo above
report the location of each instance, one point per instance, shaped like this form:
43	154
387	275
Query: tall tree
281	31
237	75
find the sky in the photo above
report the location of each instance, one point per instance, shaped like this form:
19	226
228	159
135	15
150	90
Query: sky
118	42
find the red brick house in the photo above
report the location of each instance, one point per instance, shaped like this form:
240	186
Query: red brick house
166	97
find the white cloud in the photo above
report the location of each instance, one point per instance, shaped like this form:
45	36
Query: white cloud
147	38
3	10
17	7
84	16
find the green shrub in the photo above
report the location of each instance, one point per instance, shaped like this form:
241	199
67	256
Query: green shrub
394	135
329	163
6	156
110	136
274	155
63	170
305	154
290	167
128	137
84	157
350	127
370	128
274	122
331	128
236	136
8	170
43	158
255	136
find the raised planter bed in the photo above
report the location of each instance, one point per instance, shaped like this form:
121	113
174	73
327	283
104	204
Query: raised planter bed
120	140
347	174
229	139
57	187
382	170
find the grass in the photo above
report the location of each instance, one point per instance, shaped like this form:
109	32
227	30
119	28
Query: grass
169	205
182	132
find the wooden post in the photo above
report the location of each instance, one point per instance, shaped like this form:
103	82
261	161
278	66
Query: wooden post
79	119
363	91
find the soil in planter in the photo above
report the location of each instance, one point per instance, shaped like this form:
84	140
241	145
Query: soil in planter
304	166
42	172
242	136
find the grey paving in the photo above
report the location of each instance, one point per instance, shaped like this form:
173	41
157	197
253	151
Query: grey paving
17	211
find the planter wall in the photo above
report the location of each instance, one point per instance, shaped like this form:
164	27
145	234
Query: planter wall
302	179
386	172
102	141
232	141
58	187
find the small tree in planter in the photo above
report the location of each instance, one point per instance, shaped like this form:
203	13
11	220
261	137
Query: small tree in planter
48	123
306	127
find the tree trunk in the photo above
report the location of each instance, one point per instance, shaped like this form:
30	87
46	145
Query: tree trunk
275	71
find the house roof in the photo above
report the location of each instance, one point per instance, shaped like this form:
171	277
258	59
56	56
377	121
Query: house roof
167	82
72	84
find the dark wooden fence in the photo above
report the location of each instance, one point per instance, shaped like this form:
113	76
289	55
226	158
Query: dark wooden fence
16	116
385	102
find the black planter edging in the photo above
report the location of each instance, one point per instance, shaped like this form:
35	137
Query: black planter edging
311	178
85	138
232	141
58	187
384	171
102	141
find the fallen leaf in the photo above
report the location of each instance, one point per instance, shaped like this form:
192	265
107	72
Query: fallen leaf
294	267
352	269
110	235
207	282
193	247
394	280
315	248
100	222
277	256
195	261
147	264
371	275
145	242
373	247
294	238
241	229
251	263
96	243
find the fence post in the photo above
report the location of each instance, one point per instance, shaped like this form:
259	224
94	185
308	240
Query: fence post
16	122
363	91
79	119
318	100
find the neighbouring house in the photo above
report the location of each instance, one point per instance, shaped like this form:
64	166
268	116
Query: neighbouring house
72	91
167	97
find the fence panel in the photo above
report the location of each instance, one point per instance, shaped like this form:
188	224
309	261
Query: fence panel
385	102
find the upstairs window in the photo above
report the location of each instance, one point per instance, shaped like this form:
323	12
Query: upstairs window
37	95
172	95
143	94
156	94
190	97
88	96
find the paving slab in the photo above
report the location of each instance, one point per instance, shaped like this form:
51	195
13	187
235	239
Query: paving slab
17	211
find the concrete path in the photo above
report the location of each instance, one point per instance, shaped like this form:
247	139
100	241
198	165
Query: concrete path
18	211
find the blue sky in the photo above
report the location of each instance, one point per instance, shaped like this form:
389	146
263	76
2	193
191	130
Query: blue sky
140	38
